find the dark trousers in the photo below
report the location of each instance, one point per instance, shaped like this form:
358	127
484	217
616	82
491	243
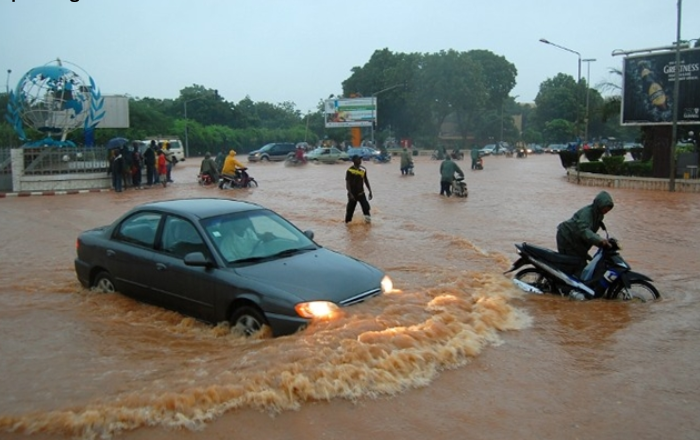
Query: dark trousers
150	174
117	182
352	204
445	188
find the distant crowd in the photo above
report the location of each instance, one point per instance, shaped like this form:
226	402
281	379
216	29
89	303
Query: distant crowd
127	163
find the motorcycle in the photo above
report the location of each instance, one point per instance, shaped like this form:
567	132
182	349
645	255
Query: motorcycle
459	187
240	180
457	155
293	161
607	275
204	179
479	164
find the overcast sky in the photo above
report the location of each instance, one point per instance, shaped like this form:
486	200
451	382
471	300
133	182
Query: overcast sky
302	50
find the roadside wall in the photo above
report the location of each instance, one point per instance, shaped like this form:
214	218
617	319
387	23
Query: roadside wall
628	182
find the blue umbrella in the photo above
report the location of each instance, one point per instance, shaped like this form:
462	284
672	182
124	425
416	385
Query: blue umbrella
117	142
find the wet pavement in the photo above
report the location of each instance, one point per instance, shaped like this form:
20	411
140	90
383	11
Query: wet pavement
455	352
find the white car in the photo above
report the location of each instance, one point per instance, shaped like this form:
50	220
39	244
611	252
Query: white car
175	147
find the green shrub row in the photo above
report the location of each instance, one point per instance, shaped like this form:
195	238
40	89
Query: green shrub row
616	165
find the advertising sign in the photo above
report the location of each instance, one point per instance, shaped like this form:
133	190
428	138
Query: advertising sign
350	112
647	88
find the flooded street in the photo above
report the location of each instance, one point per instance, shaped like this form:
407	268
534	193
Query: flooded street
455	352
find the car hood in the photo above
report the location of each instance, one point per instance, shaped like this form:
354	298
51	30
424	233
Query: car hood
321	274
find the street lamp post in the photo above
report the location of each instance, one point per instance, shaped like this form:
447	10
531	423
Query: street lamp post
588	62
578	81
545	41
674	126
187	139
374	112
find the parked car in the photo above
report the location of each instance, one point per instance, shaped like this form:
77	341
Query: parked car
487	150
272	152
175	146
534	149
555	148
367	153
327	155
178	254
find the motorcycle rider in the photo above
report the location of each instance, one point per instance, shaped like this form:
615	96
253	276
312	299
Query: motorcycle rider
576	235
448	168
299	154
209	168
231	167
406	162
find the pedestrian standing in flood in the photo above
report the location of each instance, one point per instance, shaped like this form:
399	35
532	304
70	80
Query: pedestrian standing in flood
355	182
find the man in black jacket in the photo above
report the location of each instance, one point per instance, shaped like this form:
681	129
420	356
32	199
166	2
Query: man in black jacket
149	159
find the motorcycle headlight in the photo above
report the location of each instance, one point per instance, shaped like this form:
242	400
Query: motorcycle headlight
316	309
387	284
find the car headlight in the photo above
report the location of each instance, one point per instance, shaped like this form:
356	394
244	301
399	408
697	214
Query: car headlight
316	309
387	284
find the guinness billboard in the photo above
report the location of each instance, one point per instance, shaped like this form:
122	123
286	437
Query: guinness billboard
647	88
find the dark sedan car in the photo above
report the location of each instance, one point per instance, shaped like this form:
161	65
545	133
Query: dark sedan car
224	260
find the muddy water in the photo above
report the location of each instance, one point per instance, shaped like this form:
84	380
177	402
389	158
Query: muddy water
454	351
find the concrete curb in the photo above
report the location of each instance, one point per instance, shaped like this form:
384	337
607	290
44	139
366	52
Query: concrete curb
4	195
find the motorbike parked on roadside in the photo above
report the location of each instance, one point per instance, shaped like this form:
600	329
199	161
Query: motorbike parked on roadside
607	275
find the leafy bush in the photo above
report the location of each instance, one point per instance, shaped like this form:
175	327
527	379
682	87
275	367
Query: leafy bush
617	152
568	158
614	164
592	167
593	154
637	168
636	153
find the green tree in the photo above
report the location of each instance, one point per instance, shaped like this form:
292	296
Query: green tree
559	131
558	98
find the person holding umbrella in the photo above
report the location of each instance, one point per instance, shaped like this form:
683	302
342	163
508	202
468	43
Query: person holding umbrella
116	168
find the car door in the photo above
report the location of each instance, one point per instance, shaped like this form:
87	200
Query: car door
130	253
177	286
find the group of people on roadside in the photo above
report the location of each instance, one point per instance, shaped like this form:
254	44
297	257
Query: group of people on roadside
126	165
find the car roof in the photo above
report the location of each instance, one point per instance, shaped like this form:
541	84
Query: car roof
201	207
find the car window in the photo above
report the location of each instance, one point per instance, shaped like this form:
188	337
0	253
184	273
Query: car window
139	229
180	237
254	234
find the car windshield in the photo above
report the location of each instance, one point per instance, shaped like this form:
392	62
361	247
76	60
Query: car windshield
255	235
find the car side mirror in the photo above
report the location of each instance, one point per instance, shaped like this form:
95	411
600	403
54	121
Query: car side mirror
309	233
197	259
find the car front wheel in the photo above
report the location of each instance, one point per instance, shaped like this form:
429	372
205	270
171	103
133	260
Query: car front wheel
104	283
247	321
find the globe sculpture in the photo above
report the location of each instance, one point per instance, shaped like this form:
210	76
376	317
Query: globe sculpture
54	100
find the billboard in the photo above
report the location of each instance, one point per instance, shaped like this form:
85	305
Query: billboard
647	88
116	109
350	112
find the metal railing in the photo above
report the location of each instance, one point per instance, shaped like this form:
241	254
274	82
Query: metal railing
72	160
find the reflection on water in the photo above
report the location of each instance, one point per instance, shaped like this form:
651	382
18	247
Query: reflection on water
92	365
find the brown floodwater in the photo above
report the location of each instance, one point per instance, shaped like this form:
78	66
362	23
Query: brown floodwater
454	352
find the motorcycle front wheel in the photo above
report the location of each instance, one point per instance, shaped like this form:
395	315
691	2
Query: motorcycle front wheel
535	278
251	184
639	289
